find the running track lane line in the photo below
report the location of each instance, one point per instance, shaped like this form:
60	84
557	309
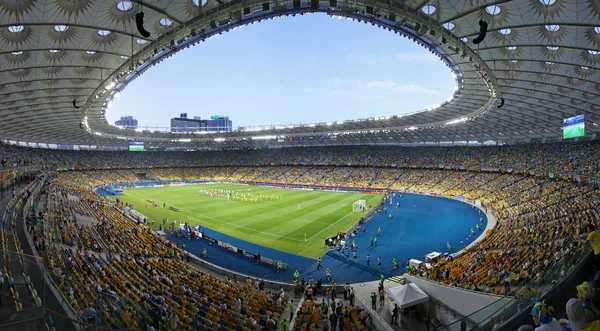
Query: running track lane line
334	223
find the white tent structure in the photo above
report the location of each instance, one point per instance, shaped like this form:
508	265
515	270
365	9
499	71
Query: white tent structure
407	295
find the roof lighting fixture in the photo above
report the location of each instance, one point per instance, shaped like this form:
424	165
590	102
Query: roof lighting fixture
124	6
597	30
54	51
16	28
428	9
464	39
585	68
493	10
511	48
166	22
549	63
141	41
505	31
124	57
552	27
513	61
547	2
17	53
592	52
90	52
61	28
103	33
552	48
449	26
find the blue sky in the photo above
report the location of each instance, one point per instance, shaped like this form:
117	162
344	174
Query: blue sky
290	70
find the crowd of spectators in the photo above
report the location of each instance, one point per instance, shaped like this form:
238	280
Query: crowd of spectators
565	157
541	221
539	218
133	277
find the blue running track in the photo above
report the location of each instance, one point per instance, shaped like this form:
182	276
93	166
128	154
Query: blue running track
421	225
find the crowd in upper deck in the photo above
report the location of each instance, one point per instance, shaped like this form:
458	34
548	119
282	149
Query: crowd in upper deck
576	157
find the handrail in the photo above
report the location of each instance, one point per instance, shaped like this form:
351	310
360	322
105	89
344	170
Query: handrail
47	278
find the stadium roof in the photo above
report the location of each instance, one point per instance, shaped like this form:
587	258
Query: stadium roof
540	56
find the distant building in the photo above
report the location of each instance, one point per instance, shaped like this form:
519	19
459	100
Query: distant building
184	124
128	122
219	123
215	123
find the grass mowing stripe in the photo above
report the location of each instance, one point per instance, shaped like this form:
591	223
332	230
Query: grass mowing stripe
187	211
259	209
332	224
277	224
289	213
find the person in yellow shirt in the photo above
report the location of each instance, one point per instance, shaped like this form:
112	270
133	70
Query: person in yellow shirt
594	239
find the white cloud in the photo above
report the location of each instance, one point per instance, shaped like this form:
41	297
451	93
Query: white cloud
378	84
414	89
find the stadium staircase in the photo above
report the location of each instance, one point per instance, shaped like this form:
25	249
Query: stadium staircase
320	180
360	266
12	263
295	180
397	179
397	279
433	186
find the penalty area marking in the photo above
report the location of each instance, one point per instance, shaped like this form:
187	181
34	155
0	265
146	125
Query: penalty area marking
334	223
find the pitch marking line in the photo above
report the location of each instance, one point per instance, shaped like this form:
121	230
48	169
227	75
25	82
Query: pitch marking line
224	222
334	223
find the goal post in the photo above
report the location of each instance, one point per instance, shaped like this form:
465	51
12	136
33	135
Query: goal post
359	205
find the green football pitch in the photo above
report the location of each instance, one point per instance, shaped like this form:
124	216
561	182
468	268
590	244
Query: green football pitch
574	131
297	222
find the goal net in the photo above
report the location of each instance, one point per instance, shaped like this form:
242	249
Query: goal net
359	205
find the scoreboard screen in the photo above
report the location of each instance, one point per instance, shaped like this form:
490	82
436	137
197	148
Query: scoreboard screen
574	127
136	146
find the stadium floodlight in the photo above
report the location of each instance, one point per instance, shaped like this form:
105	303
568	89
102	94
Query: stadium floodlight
185	140
456	121
219	139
